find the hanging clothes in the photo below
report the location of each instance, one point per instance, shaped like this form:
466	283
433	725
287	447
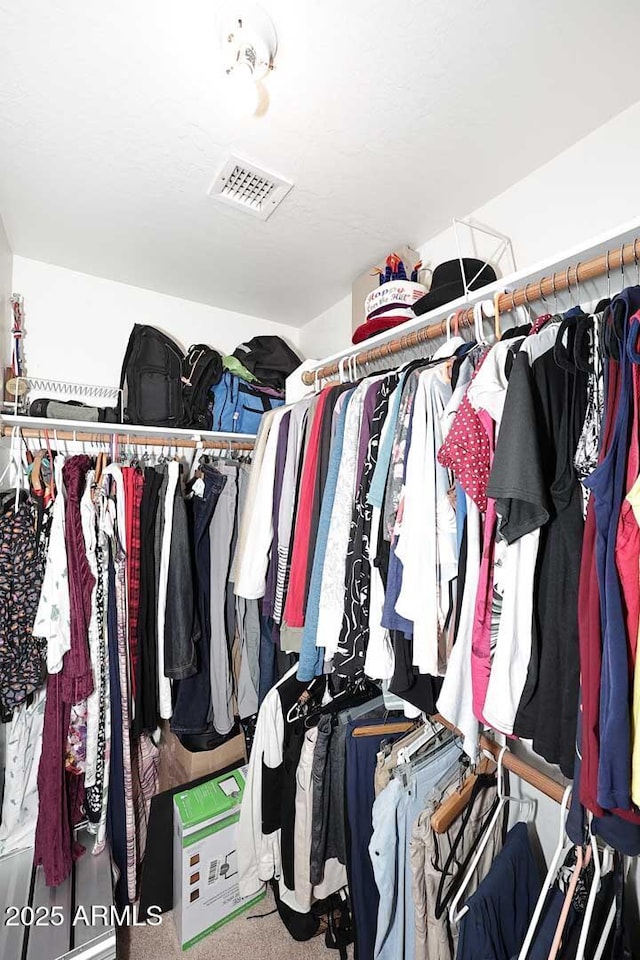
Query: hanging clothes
21	660
192	708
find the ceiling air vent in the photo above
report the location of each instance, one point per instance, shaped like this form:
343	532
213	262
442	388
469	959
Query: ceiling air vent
247	187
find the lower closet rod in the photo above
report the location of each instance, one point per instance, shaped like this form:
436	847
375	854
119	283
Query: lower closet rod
125	438
543	783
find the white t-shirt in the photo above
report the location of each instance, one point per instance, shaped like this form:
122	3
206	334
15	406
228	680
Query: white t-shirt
427	539
455	702
256	530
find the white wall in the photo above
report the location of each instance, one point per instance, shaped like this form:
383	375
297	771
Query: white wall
6	267
329	331
77	326
587	190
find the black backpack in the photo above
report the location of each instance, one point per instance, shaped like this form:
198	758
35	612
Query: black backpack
269	359
151	379
201	370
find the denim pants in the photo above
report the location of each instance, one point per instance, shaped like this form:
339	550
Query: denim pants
193	711
394	812
360	765
268	664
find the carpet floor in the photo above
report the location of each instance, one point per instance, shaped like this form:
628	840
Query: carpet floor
262	938
242	939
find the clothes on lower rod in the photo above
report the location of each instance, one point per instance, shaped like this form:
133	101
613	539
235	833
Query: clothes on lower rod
118	577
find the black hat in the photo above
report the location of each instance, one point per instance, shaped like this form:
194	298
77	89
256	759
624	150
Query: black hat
447	283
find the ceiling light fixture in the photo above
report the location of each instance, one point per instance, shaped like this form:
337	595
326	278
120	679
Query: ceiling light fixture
249	45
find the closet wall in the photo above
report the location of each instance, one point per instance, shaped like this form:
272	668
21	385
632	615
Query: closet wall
77	326
6	266
588	189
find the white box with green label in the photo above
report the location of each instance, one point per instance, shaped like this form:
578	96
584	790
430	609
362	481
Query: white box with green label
205	861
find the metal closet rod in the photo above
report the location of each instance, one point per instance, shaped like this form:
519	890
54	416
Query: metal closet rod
543	783
627	253
125	439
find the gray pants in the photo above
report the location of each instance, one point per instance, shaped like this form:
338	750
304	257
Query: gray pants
247	626
221	535
437	939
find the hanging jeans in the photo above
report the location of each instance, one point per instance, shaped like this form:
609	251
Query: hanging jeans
268	665
192	710
360	765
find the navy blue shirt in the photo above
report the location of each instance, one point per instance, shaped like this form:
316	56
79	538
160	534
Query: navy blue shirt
501	908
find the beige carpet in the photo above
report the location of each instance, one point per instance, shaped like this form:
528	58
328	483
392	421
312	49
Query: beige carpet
242	939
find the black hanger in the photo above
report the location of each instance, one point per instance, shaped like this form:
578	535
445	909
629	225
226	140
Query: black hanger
444	898
358	690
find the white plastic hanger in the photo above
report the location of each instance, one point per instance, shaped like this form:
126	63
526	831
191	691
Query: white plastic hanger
561	851
20	473
450	317
428	733
599	951
455	915
198	451
11	462
487	311
478	317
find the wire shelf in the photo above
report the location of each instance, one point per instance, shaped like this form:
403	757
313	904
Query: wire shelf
28	389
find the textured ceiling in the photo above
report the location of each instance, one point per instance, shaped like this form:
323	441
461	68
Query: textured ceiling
389	118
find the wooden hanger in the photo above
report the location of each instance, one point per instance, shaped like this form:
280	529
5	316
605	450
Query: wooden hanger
394	726
496	317
451	808
101	462
36	473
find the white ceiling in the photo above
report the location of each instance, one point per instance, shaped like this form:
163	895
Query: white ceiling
390	118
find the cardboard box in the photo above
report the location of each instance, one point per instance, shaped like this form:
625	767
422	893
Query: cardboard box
205	864
195	765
